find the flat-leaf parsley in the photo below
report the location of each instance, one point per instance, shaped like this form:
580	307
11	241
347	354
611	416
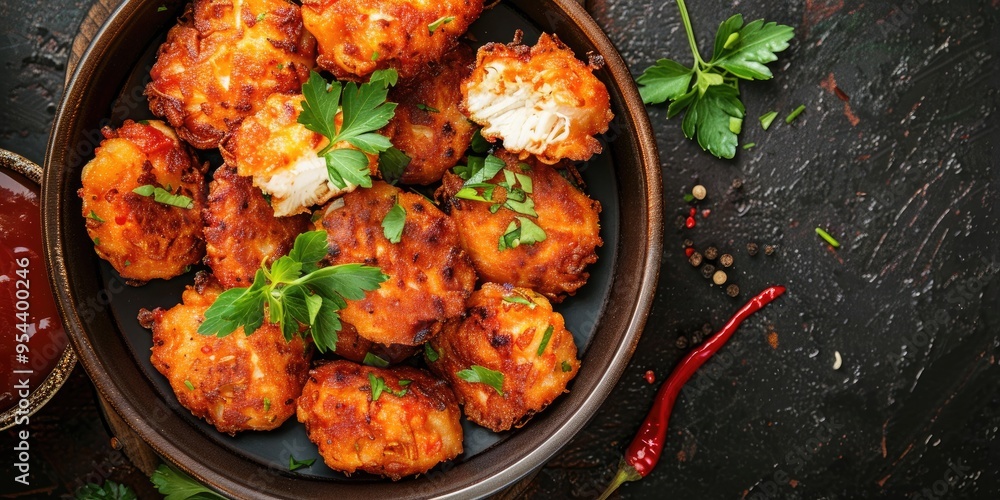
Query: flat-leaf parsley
708	92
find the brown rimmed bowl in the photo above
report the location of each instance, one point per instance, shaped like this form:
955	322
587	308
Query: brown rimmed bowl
607	316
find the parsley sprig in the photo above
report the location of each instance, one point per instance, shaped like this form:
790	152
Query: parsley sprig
364	111
176	485
296	293
709	91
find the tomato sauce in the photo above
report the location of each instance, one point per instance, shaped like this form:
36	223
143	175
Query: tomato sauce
32	338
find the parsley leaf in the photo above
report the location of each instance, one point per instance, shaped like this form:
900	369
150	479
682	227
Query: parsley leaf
479	143
376	361
164	197
110	490
391	164
394	222
377	385
294	464
483	375
176	485
364	111
431	354
93	215
566	367
708	92
423	107
527	233
432	27
515	299
296	293
545	339
755	46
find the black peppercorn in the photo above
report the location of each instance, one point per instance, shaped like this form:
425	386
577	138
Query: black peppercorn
752	248
707	270
726	260
732	290
682	342
711	253
768	249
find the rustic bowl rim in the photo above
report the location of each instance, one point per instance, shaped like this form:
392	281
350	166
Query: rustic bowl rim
473	483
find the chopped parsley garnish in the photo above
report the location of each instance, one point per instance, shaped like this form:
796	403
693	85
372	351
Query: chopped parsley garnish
281	66
827	237
394	222
128	263
261	16
375	56
97	241
172	483
267	404
483	375
795	113
189	385
405	382
93	216
514	299
294	464
432	27
479	143
545	339
164	196
110	490
749	145
767	118
566	367
377	385
365	112
517	186
431	354
528	233
391	164
296	292
429	109
161	8
709	91
373	360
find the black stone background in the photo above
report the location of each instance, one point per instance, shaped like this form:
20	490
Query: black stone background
910	300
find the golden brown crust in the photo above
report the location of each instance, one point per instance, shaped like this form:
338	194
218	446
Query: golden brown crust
555	267
395	435
538	100
354	347
351	32
236	383
435	137
505	336
141	238
280	155
430	276
218	65
241	230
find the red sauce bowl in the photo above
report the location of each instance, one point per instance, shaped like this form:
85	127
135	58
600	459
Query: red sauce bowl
34	349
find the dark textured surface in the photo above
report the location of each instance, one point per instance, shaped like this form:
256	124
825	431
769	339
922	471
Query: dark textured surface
906	178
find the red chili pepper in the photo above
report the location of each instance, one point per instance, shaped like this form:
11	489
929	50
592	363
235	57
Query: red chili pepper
646	447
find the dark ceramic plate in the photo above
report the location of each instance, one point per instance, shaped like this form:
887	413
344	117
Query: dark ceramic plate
100	311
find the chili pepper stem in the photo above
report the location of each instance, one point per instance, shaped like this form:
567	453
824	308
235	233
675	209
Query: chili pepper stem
625	474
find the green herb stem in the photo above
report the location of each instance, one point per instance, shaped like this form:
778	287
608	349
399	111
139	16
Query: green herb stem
690	34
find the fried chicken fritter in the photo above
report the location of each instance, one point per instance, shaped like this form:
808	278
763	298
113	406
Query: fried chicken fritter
430	276
357	37
540	100
222	60
555	267
241	230
142	238
281	156
429	126
236	383
407	429
354	347
510	338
